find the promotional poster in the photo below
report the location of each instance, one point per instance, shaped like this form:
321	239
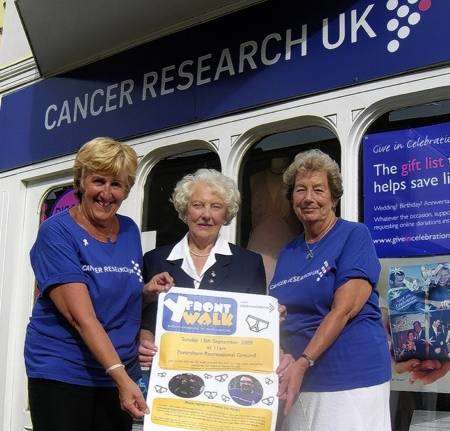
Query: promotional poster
419	308
216	362
417	318
407	191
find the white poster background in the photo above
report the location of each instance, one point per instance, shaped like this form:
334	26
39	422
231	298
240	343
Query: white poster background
257	318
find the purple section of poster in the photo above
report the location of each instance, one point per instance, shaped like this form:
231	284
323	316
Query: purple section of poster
67	200
407	191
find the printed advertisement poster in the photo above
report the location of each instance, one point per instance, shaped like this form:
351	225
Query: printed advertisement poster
407	191
415	300
215	367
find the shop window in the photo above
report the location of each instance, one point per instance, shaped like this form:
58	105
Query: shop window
56	200
159	215
405	202
267	221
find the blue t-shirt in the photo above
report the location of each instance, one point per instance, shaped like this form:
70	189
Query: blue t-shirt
359	357
65	253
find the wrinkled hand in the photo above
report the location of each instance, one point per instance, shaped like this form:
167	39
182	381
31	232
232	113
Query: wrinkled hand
282	310
159	283
132	400
291	382
147	350
286	360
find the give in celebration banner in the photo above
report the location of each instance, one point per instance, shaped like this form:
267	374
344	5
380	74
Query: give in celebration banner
407	191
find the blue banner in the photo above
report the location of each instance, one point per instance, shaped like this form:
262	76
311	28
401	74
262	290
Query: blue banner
407	191
199	314
271	52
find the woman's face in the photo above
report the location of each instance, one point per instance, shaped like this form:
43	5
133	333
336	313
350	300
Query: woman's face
311	197
205	213
399	279
102	195
443	277
410	336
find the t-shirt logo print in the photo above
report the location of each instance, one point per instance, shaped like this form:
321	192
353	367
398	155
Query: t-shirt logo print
406	16
137	270
323	270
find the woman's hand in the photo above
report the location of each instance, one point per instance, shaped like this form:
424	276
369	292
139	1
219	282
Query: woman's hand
159	283
291	382
131	399
430	371
282	310
286	360
147	348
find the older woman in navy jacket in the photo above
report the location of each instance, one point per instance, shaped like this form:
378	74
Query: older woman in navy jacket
203	259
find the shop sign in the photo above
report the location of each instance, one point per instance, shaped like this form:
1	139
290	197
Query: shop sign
269	53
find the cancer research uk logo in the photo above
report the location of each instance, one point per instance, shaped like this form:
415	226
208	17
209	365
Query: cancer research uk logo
133	269
199	314
404	16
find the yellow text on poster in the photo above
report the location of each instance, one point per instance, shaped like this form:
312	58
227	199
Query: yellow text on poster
194	415
193	352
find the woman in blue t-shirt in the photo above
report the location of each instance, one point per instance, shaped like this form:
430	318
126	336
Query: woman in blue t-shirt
336	369
81	348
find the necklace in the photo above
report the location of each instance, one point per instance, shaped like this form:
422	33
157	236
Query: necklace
93	230
198	254
309	250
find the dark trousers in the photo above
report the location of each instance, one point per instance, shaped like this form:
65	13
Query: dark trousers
58	406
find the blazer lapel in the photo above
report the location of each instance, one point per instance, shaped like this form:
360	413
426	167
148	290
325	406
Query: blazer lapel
214	278
181	279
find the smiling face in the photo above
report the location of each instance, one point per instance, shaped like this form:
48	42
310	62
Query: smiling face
311	198
246	384
102	195
444	276
205	214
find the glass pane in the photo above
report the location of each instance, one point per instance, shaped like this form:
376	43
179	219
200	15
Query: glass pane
158	213
406	205
267	221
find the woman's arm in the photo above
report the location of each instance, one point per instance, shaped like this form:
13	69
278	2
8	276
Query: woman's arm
347	303
73	301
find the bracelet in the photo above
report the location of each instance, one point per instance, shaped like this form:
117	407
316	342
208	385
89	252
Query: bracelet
113	367
308	359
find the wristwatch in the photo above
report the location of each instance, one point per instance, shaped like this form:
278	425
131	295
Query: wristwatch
310	360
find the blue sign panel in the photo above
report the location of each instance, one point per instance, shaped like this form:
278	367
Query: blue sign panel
407	191
270	52
199	314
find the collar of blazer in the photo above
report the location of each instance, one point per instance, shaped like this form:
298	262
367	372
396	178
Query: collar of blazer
212	278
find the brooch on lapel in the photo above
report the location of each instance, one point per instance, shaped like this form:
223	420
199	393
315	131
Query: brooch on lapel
211	280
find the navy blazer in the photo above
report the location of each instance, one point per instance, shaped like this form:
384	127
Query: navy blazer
243	272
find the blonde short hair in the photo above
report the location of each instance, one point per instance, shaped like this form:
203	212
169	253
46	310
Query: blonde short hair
315	160
106	156
222	185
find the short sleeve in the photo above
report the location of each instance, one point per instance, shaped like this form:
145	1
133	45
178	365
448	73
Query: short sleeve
54	258
358	258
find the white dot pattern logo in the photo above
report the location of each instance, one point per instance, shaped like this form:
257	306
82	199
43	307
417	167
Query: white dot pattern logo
403	32
414	18
393	24
403	11
393	45
398	23
392	4
137	270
